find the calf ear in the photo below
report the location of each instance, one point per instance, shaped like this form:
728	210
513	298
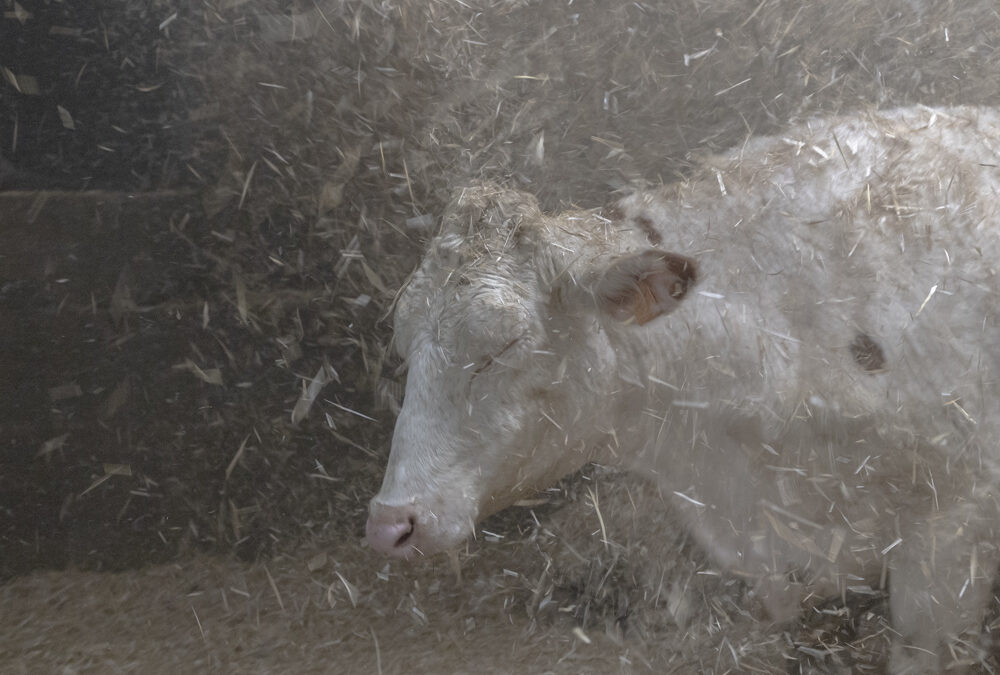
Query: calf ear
645	285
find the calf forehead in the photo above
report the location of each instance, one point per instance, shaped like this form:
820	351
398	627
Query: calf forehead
460	270
490	303
486	272
492	231
465	300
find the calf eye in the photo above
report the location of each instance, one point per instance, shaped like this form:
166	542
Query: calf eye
490	360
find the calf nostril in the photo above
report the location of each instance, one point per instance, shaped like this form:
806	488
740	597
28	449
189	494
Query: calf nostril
407	533
393	529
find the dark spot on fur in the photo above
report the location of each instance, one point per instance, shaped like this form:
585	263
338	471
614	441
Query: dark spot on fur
867	353
655	238
539	394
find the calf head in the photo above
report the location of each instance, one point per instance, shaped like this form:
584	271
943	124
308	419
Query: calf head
506	329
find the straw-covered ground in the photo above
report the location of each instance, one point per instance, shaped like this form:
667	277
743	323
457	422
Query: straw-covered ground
205	207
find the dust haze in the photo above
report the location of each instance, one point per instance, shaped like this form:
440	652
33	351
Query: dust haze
207	212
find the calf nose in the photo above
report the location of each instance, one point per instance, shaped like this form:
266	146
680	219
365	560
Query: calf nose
390	529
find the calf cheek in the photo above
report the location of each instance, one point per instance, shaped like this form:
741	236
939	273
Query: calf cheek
531	451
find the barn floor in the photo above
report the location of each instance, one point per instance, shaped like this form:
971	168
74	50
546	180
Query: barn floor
546	603
205	206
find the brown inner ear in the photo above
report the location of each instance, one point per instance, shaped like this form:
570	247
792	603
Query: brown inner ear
684	269
648	284
644	305
661	289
